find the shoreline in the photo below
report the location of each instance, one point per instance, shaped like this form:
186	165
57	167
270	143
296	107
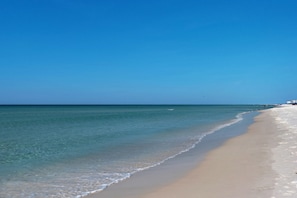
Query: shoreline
150	180
241	167
260	163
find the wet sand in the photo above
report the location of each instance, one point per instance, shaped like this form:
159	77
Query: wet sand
258	164
239	168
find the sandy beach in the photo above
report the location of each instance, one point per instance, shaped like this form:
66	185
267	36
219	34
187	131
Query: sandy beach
239	168
260	163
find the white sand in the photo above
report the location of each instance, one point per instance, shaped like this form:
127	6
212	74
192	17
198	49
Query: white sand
285	154
239	168
261	163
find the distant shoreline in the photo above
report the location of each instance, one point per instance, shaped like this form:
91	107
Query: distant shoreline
250	165
143	183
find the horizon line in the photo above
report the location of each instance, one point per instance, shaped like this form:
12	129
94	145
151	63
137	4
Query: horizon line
132	104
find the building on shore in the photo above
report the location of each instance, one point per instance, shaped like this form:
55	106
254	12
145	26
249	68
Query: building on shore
292	102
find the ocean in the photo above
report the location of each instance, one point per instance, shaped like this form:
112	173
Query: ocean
72	151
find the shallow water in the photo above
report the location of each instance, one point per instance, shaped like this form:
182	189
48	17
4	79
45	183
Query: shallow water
70	151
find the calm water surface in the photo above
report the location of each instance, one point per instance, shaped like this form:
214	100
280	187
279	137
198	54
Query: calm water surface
70	151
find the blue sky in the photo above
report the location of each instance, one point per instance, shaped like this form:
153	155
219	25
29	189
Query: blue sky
148	52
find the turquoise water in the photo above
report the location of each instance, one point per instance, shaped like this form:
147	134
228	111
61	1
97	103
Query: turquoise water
70	151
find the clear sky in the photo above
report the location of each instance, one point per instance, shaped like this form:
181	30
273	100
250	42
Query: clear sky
148	51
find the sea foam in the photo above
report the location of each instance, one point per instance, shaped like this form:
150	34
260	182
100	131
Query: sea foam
73	151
